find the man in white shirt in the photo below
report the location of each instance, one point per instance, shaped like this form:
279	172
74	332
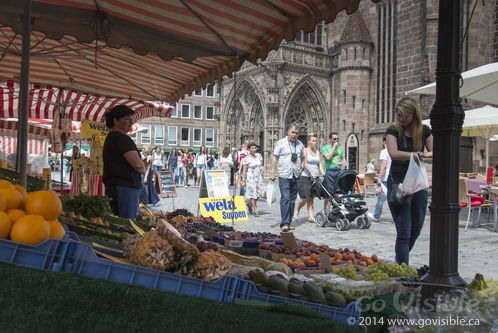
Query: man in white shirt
385	166
289	155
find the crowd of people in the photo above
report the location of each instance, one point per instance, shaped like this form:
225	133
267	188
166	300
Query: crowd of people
129	174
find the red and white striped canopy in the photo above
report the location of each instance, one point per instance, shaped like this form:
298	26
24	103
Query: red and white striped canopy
43	100
8	145
154	49
9	127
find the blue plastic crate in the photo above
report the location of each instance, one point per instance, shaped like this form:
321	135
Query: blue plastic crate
47	255
81	259
247	290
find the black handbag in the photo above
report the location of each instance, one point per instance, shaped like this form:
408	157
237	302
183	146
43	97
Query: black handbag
397	198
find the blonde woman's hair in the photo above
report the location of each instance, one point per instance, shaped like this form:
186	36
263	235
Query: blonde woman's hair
311	135
405	106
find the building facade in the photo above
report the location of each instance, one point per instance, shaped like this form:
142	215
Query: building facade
348	75
194	122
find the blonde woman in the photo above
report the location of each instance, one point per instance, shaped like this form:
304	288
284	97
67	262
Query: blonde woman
312	168
405	138
200	164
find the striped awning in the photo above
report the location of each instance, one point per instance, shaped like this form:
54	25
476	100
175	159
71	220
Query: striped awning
43	100
9	127
8	145
154	49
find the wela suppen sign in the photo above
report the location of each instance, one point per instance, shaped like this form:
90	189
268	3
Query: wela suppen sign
224	209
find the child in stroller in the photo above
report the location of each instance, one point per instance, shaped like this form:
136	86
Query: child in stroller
343	207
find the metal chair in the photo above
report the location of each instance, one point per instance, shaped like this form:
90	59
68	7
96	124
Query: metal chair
471	201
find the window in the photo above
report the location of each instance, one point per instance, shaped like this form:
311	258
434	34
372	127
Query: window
185	141
174	112
314	37
197	137
209	91
172	136
185	110
209	137
159	135
344	96
386	63
354	102
198	92
145	136
133	137
210	112
197	112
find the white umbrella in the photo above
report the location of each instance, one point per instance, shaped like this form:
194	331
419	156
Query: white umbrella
480	122
479	84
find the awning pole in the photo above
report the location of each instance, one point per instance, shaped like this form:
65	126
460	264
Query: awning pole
22	134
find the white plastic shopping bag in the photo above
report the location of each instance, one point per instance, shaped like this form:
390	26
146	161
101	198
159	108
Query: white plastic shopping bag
416	176
381	190
271	193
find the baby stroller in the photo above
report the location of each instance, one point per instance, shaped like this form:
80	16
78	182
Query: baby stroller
343	207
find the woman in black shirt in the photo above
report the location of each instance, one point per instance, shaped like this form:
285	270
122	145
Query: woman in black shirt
123	167
405	138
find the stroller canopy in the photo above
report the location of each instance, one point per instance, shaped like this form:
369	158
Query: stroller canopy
346	180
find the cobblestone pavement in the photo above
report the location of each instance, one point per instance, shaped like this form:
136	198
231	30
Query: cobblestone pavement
478	246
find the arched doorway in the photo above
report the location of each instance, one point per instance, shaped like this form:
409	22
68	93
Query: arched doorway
306	107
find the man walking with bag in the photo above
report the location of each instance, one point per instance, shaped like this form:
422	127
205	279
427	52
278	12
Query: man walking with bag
385	166
288	155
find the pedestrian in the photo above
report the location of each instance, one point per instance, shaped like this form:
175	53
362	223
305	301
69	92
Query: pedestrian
209	159
173	163
242	154
385	166
189	166
226	163
252	180
235	165
312	169
157	162
200	164
123	166
334	158
370	166
148	193
181	168
288	156
407	137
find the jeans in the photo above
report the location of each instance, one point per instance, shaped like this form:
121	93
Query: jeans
380	203
409	221
330	180
127	201
182	172
288	195
156	168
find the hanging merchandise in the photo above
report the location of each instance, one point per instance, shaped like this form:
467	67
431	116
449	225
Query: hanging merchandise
55	134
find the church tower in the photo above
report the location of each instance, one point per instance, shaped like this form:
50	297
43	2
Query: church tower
352	87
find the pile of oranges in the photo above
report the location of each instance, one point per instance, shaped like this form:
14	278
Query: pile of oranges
29	218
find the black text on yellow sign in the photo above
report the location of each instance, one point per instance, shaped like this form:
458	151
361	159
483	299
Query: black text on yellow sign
224	209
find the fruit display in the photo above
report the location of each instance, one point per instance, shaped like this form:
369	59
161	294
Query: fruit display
485	289
379	277
393	270
177	212
29	218
153	251
213	265
410	281
348	272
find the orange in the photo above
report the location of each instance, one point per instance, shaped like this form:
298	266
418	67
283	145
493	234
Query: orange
44	203
13	197
3	203
21	191
6	184
15	214
56	229
5	225
30	229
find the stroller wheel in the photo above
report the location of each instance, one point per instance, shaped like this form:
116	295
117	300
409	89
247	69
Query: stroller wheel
347	224
368	223
361	223
339	225
320	219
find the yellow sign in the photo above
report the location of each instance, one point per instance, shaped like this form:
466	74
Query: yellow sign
89	128
224	209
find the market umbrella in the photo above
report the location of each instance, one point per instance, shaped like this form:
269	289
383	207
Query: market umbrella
479	84
479	122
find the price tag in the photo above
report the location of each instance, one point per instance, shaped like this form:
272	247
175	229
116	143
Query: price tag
289	240
325	262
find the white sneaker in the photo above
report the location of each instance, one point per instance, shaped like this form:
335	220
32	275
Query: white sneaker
371	217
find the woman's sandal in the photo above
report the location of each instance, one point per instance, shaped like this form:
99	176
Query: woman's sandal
291	228
311	221
256	214
284	228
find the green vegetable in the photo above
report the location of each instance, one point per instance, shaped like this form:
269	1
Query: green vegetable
278	283
87	206
314	292
335	298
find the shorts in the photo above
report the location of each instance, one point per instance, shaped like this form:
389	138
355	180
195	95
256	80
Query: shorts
304	188
200	166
